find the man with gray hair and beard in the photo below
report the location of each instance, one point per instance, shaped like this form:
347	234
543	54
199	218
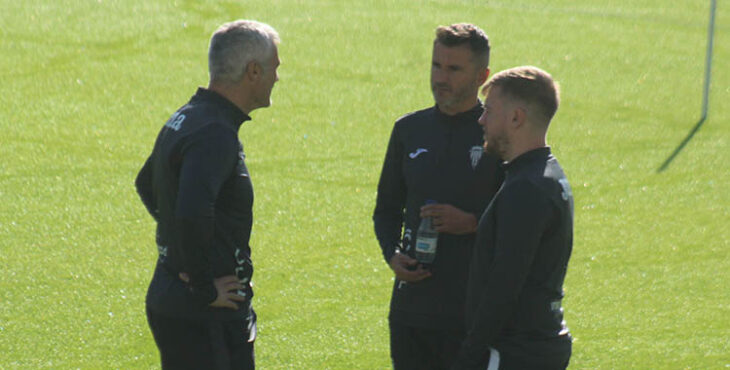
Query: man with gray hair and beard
196	186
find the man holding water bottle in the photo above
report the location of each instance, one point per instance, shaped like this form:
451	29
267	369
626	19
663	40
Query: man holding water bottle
436	155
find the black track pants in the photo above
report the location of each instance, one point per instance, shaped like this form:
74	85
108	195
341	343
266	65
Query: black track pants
202	344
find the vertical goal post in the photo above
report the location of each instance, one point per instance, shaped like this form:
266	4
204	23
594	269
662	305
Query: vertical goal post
708	60
705	90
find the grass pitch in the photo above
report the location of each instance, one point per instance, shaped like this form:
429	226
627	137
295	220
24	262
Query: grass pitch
87	84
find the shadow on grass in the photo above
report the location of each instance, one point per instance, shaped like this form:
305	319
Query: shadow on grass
681	146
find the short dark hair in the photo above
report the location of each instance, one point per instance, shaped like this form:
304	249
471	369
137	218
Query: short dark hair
530	85
466	34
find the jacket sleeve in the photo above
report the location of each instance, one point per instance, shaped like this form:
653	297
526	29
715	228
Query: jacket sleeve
391	198
208	160
522	216
143	183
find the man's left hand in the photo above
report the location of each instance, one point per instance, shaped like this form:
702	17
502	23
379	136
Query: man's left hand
449	219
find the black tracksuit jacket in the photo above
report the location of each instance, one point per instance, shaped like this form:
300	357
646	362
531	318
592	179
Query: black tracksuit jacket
523	244
433	156
196	186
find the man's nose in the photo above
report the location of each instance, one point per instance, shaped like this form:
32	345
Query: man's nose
438	75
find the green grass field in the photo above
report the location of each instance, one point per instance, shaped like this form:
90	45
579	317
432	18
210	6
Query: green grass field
87	84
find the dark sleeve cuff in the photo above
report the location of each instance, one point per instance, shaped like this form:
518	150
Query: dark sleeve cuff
388	253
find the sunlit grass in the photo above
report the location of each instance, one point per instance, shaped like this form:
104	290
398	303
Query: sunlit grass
87	84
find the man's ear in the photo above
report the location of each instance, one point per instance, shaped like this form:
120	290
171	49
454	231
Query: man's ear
519	116
483	76
253	70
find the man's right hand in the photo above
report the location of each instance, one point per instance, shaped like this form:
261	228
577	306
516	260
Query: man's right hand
400	264
227	288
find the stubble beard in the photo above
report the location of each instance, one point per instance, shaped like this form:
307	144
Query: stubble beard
453	97
496	147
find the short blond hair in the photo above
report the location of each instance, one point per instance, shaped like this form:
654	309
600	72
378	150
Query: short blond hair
530	85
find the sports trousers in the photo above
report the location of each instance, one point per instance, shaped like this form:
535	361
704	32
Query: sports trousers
203	344
413	348
522	359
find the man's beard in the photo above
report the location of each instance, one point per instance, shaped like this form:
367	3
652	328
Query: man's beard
454	97
496	146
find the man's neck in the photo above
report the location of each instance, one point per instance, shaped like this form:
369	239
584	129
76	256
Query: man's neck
453	110
520	146
234	93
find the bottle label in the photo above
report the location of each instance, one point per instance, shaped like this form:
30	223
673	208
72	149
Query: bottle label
426	245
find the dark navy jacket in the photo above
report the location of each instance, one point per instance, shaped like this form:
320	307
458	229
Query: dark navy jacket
524	241
433	156
196	186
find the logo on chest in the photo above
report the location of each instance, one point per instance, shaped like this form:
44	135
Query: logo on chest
417	153
475	154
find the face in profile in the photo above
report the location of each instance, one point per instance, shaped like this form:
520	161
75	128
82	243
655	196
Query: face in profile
269	77
494	121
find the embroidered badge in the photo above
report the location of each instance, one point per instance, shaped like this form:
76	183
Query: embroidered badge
475	153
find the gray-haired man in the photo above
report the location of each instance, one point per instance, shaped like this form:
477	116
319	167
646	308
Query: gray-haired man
196	186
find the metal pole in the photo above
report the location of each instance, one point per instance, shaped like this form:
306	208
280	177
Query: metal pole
706	93
708	60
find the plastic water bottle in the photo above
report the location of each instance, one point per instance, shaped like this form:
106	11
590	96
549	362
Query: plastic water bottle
426	240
